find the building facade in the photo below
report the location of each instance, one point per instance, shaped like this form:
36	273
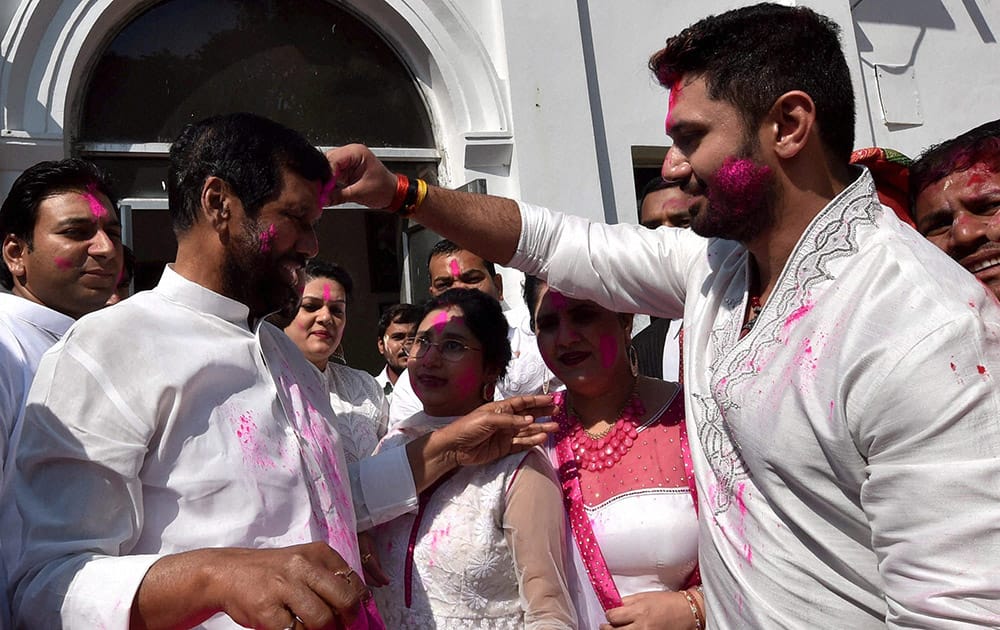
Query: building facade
545	101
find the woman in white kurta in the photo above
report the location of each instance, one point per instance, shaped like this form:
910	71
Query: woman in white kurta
622	461
486	546
318	329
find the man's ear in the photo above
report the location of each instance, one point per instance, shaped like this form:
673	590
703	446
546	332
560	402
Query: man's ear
792	120
216	203
14	250
498	281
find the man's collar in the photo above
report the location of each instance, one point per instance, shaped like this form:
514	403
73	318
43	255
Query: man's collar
177	288
35	314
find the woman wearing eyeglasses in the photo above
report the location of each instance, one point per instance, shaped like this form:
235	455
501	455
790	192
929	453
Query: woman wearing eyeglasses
485	547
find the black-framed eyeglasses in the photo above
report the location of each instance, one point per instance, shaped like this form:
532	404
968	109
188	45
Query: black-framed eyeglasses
450	349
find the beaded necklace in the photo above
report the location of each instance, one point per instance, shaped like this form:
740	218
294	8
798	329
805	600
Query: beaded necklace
598	452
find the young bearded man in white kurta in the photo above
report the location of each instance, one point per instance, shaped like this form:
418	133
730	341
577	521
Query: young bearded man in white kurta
839	370
178	463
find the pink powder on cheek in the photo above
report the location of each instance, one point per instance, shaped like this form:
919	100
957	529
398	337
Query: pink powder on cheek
62	263
609	351
740	185
454	268
96	208
267	237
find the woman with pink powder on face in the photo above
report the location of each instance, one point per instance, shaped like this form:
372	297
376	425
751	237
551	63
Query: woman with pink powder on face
485	548
621	458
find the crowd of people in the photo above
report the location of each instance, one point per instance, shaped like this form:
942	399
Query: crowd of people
806	434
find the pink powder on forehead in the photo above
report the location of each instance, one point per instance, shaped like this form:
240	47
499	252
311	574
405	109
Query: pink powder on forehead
326	293
267	237
96	208
441	320
62	263
675	92
559	301
608	346
454	268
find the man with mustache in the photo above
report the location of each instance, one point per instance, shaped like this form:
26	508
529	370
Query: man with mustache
839	370
956	194
178	463
397	324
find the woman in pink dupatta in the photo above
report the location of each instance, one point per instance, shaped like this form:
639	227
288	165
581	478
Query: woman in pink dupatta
622	461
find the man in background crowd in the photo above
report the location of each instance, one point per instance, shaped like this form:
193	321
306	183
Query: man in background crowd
397	324
956	198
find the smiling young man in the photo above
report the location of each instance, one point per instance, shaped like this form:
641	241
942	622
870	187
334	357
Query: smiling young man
839	369
178	462
62	255
956	197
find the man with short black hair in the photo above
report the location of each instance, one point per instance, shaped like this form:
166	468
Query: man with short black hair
452	266
397	324
62	255
201	479
839	381
955	187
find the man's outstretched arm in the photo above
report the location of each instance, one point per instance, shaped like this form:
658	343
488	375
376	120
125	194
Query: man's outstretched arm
487	225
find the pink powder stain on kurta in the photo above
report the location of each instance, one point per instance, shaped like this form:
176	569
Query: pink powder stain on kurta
741	525
797	314
981	369
248	435
62	263
434	538
267	238
608	347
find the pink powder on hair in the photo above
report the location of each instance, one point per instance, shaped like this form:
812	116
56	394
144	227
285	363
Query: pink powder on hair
62	263
675	91
326	191
267	237
96	208
454	268
608	347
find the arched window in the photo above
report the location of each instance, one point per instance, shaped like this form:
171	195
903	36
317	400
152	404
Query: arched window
310	64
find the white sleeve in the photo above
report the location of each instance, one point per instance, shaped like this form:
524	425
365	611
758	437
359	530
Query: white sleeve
74	476
626	268
931	435
382	487
404	400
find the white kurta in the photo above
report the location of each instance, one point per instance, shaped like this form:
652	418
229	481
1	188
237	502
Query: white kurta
27	331
166	424
848	448
361	413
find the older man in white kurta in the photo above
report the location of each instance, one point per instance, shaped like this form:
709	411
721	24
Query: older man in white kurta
202	432
848	451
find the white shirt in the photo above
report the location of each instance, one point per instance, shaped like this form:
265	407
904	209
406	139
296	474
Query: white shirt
848	448
165	424
27	330
360	411
672	351
526	374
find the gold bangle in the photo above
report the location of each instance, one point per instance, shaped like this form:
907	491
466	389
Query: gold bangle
694	610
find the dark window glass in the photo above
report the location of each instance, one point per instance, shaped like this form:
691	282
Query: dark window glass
307	64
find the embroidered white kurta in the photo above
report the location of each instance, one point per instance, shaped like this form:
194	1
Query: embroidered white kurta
485	551
166	424
848	448
361	412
